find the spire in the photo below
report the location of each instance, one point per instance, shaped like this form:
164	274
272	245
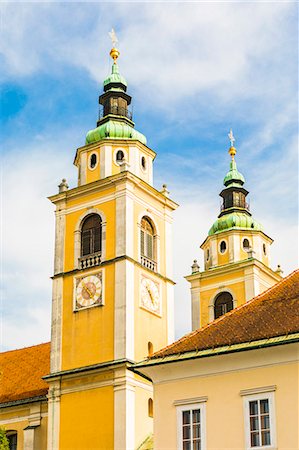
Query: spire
233	176
234	209
115	117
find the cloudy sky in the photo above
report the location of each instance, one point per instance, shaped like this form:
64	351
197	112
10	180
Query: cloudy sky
194	70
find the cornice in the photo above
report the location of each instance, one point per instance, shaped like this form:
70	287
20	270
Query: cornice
232	267
109	182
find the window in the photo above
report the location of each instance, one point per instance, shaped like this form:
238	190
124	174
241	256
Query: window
91	235
222	246
119	156
150	348
147	244
191	429
208	255
150	407
264	249
143	163
93	160
12	437
223	303
259	425
246	244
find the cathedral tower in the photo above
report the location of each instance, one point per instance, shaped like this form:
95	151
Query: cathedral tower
236	255
112	284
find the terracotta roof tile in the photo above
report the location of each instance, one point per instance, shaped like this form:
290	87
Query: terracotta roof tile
21	371
273	313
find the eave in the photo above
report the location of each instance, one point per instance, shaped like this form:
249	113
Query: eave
210	352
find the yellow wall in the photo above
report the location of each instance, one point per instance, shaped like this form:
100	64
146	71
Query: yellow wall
88	334
224	406
143	423
86	420
20	416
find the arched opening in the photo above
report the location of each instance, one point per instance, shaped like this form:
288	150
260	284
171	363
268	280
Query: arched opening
91	235
147	244
119	156
150	407
222	246
246	244
93	160
150	349
223	303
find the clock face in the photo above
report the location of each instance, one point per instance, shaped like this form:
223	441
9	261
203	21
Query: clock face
89	291
150	295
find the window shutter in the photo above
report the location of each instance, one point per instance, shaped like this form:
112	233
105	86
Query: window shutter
149	250
142	242
85	242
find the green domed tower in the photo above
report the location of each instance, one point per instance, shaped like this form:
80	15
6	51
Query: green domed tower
114	145
236	255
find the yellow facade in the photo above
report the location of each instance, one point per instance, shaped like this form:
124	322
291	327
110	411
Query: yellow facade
18	418
93	346
221	384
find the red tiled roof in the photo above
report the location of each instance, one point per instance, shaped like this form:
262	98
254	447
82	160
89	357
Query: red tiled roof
273	313
21	371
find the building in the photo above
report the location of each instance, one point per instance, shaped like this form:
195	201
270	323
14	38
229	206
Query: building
112	291
112	301
232	384
236	255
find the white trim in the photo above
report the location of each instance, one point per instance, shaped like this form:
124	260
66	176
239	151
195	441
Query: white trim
77	234
258	390
97	161
188	401
188	407
262	396
124	310
220	290
226	246
56	325
81	277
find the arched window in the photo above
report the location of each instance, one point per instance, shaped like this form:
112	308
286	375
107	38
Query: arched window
91	235
150	349
223	303
119	156
246	244
222	246
150	407
147	244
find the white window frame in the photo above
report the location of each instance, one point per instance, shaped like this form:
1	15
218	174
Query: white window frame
188	407
256	397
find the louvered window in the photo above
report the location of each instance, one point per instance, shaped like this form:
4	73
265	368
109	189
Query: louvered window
91	235
147	244
223	304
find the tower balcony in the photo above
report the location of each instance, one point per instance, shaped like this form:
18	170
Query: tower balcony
148	263
91	260
116	111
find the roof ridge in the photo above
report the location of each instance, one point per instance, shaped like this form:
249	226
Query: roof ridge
24	348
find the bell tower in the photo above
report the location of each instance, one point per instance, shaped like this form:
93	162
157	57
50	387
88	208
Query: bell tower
236	255
112	284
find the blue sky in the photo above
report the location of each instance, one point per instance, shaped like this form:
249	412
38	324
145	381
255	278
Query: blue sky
194	70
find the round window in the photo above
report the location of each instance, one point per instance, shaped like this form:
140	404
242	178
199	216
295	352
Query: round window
222	246
93	160
246	244
264	249
119	156
143	162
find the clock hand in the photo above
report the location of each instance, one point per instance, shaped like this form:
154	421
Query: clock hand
87	290
150	294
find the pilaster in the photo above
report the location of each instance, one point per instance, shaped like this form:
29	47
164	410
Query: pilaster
53	415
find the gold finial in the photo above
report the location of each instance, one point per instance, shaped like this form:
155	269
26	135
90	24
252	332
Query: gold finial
114	53
232	151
